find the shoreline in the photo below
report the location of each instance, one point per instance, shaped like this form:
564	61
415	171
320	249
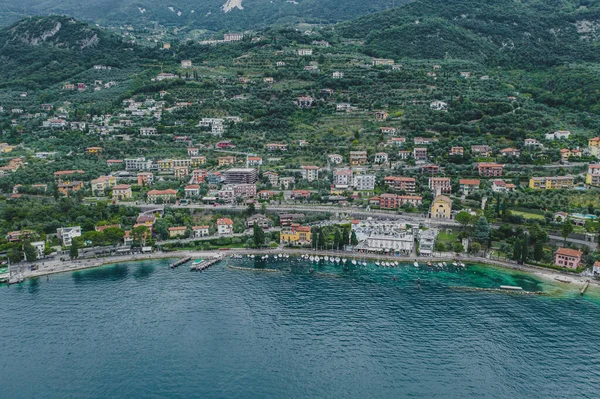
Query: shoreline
57	266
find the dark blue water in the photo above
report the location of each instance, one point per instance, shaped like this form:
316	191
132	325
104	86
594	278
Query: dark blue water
141	330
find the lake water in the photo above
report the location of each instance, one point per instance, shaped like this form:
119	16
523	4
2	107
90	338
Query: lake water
141	330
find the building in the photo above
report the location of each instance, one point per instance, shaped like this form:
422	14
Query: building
490	169
224	226
138	164
287	219
440	185
441	207
382	62
168	195
481	150
186	64
260	220
510	152
430	169
145	179
358	158
272	177
226	161
420	153
287	182
438	106
193	190
364	182
388	236
295	235
381	115
254	161
457	151
305	51
200	231
393	201
381	157
467	186
176	232
500	186
532	143
148	131
335	159
103	183
569	258
304	101
551	183
566	154
67	187
276	147
121	192
594	146
342	178
233	37
388	130
93	150
310	172
593	175
240	176
558	135
401	183
427	242
67	234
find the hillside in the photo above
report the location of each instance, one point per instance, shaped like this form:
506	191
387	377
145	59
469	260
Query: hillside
507	32
206	14
41	51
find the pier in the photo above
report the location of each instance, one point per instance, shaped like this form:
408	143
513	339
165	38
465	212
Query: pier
585	287
180	262
503	290
203	265
253	269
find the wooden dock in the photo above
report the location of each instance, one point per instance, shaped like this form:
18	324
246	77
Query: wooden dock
585	287
503	290
205	264
180	262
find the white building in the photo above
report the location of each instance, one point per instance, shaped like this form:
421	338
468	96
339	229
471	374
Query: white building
67	234
558	135
427	241
364	182
148	131
342	178
438	106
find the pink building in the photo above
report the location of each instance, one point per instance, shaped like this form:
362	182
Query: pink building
566	257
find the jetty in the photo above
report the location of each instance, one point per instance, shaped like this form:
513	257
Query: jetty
503	290
253	269
202	265
585	287
180	262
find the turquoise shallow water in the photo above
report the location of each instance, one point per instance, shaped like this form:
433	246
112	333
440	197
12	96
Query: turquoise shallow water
141	330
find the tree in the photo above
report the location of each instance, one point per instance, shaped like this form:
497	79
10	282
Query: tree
15	255
353	238
567	229
482	231
139	234
337	239
263	208
74	250
517	250
258	236
251	209
475	247
30	251
458	247
113	235
464	218
538	250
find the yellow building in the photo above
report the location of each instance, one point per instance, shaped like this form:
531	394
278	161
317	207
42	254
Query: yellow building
178	231
551	183
594	146
225	161
593	175
4	147
295	235
93	150
441	207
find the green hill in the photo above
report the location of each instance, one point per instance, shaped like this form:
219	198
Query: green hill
505	32
37	52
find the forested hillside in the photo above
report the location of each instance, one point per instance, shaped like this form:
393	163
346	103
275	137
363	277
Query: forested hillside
512	33
206	14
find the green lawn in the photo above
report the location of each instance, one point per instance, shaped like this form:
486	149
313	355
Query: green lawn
527	215
446	237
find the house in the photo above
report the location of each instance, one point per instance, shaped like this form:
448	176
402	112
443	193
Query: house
381	157
404	154
13	236
510	152
457	152
440	185
596	268
180	171
566	154
233	37
168	195
441	207
342	178
224	144
93	150
260	220
121	192
560	217
67	234
176	232
310	172
254	161
594	146
287	219
200	231
467	186
148	131
226	161
382	62
358	157
287	182
295	235
481	150
269	80
335	159
490	169
66	187
430	169
569	258
533	143
114	163
364	182
145	220
424	140
381	115
558	135
145	178
337	75
276	147
305	52
272	177
186	63
593	175
420	153
193	152
393	201
265	194
500	186
299	194
224	226
198	160
401	183
438	106
304	101
388	130
193	190
551	183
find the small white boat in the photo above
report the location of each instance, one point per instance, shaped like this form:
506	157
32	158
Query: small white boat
416	264
444	263
353	261
312	258
377	263
326	258
454	264
337	260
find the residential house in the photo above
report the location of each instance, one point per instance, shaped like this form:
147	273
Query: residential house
145	178
439	106
121	192
272	177
558	135
335	159
200	231
342	178
481	150
358	158
420	153
381	157
260	220
393	201
490	169
430	169
287	182
381	115
193	190
500	186
593	175
567	257
566	154
382	62
67	187
510	152
295	235
93	150
440	185
365	183
254	161
551	183
388	130
304	101
226	161
67	234
457	151
148	131
103	183
467	186
193	152
533	143
224	226
168	195
401	183
310	172
594	146
276	147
